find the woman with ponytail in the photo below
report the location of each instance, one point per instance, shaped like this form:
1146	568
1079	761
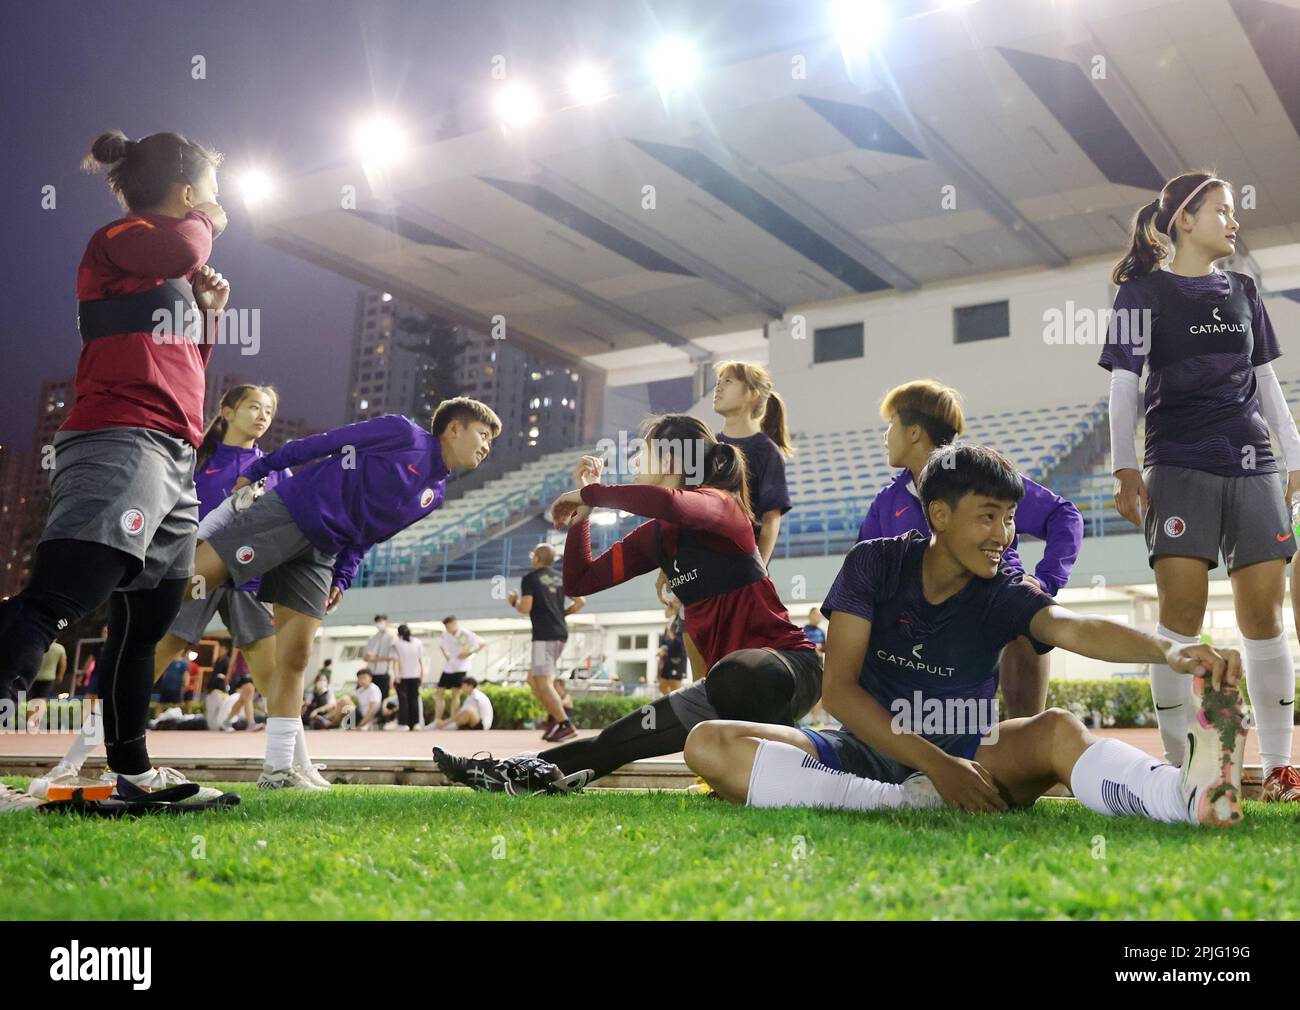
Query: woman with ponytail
123	513
754	422
693	489
1210	481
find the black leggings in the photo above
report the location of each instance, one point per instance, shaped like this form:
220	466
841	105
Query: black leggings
70	578
408	701
753	685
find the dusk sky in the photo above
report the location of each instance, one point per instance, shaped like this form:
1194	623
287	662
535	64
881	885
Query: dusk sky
286	82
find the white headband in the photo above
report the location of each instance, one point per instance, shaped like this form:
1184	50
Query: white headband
1169	228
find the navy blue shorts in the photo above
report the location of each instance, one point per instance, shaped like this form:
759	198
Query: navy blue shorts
841	751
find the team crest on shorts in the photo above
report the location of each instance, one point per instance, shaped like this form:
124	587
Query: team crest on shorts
133	522
244	555
426	497
1175	527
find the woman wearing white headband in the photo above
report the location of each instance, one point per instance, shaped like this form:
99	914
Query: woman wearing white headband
1210	481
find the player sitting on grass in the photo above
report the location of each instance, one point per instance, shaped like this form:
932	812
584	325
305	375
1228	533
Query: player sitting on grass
916	626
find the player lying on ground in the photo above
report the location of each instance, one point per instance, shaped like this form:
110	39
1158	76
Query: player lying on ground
761	667
306	538
916	625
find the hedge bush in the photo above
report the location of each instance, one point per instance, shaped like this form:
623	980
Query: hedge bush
514	707
1118	703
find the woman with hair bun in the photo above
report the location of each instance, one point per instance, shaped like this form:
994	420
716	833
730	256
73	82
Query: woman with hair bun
123	512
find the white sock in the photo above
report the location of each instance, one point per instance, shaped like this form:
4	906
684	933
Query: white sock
1172	694
301	759
1114	778
281	736
1270	679
88	738
785	776
452	725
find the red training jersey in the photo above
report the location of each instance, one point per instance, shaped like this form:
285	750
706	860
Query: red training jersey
130	380
751	617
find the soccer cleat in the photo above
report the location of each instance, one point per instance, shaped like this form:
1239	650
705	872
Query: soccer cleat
1282	785
564	731
515	776
13	801
312	773
291	779
919	792
1216	743
157	788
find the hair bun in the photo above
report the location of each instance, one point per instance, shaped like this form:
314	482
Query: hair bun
110	147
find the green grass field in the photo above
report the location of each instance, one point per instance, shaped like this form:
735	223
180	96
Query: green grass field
397	853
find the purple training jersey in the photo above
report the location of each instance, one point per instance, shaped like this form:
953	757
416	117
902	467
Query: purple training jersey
1041	513
1207	335
380	477
922	655
214	479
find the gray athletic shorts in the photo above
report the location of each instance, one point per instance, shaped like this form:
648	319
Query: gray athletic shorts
546	659
264	542
841	750
131	489
246	618
1194	514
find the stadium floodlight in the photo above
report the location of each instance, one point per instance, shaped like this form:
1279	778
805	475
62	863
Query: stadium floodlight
255	185
517	104
859	25
380	141
674	63
587	84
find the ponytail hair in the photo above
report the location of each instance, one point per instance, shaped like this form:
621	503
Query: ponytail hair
142	172
1154	230
769	406
218	426
404	632
724	464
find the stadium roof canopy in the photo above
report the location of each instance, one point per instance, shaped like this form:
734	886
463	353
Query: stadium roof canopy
796	177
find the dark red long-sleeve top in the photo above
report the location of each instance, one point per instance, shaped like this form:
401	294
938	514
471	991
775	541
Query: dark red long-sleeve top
130	379
751	617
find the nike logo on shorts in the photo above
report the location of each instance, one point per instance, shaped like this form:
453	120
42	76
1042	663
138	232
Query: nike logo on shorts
1283	537
1166	708
212	471
412	469
900	512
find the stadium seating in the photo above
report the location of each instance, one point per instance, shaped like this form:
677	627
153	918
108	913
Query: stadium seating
832	477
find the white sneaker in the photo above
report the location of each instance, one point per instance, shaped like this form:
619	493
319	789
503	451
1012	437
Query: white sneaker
1216	744
312	773
165	778
59	775
919	792
287	778
14	800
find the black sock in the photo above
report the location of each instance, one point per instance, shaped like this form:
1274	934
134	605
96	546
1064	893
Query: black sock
651	731
137	621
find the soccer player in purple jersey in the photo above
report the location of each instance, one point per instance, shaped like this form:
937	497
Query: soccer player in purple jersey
306	538
916	626
1210	480
923	416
